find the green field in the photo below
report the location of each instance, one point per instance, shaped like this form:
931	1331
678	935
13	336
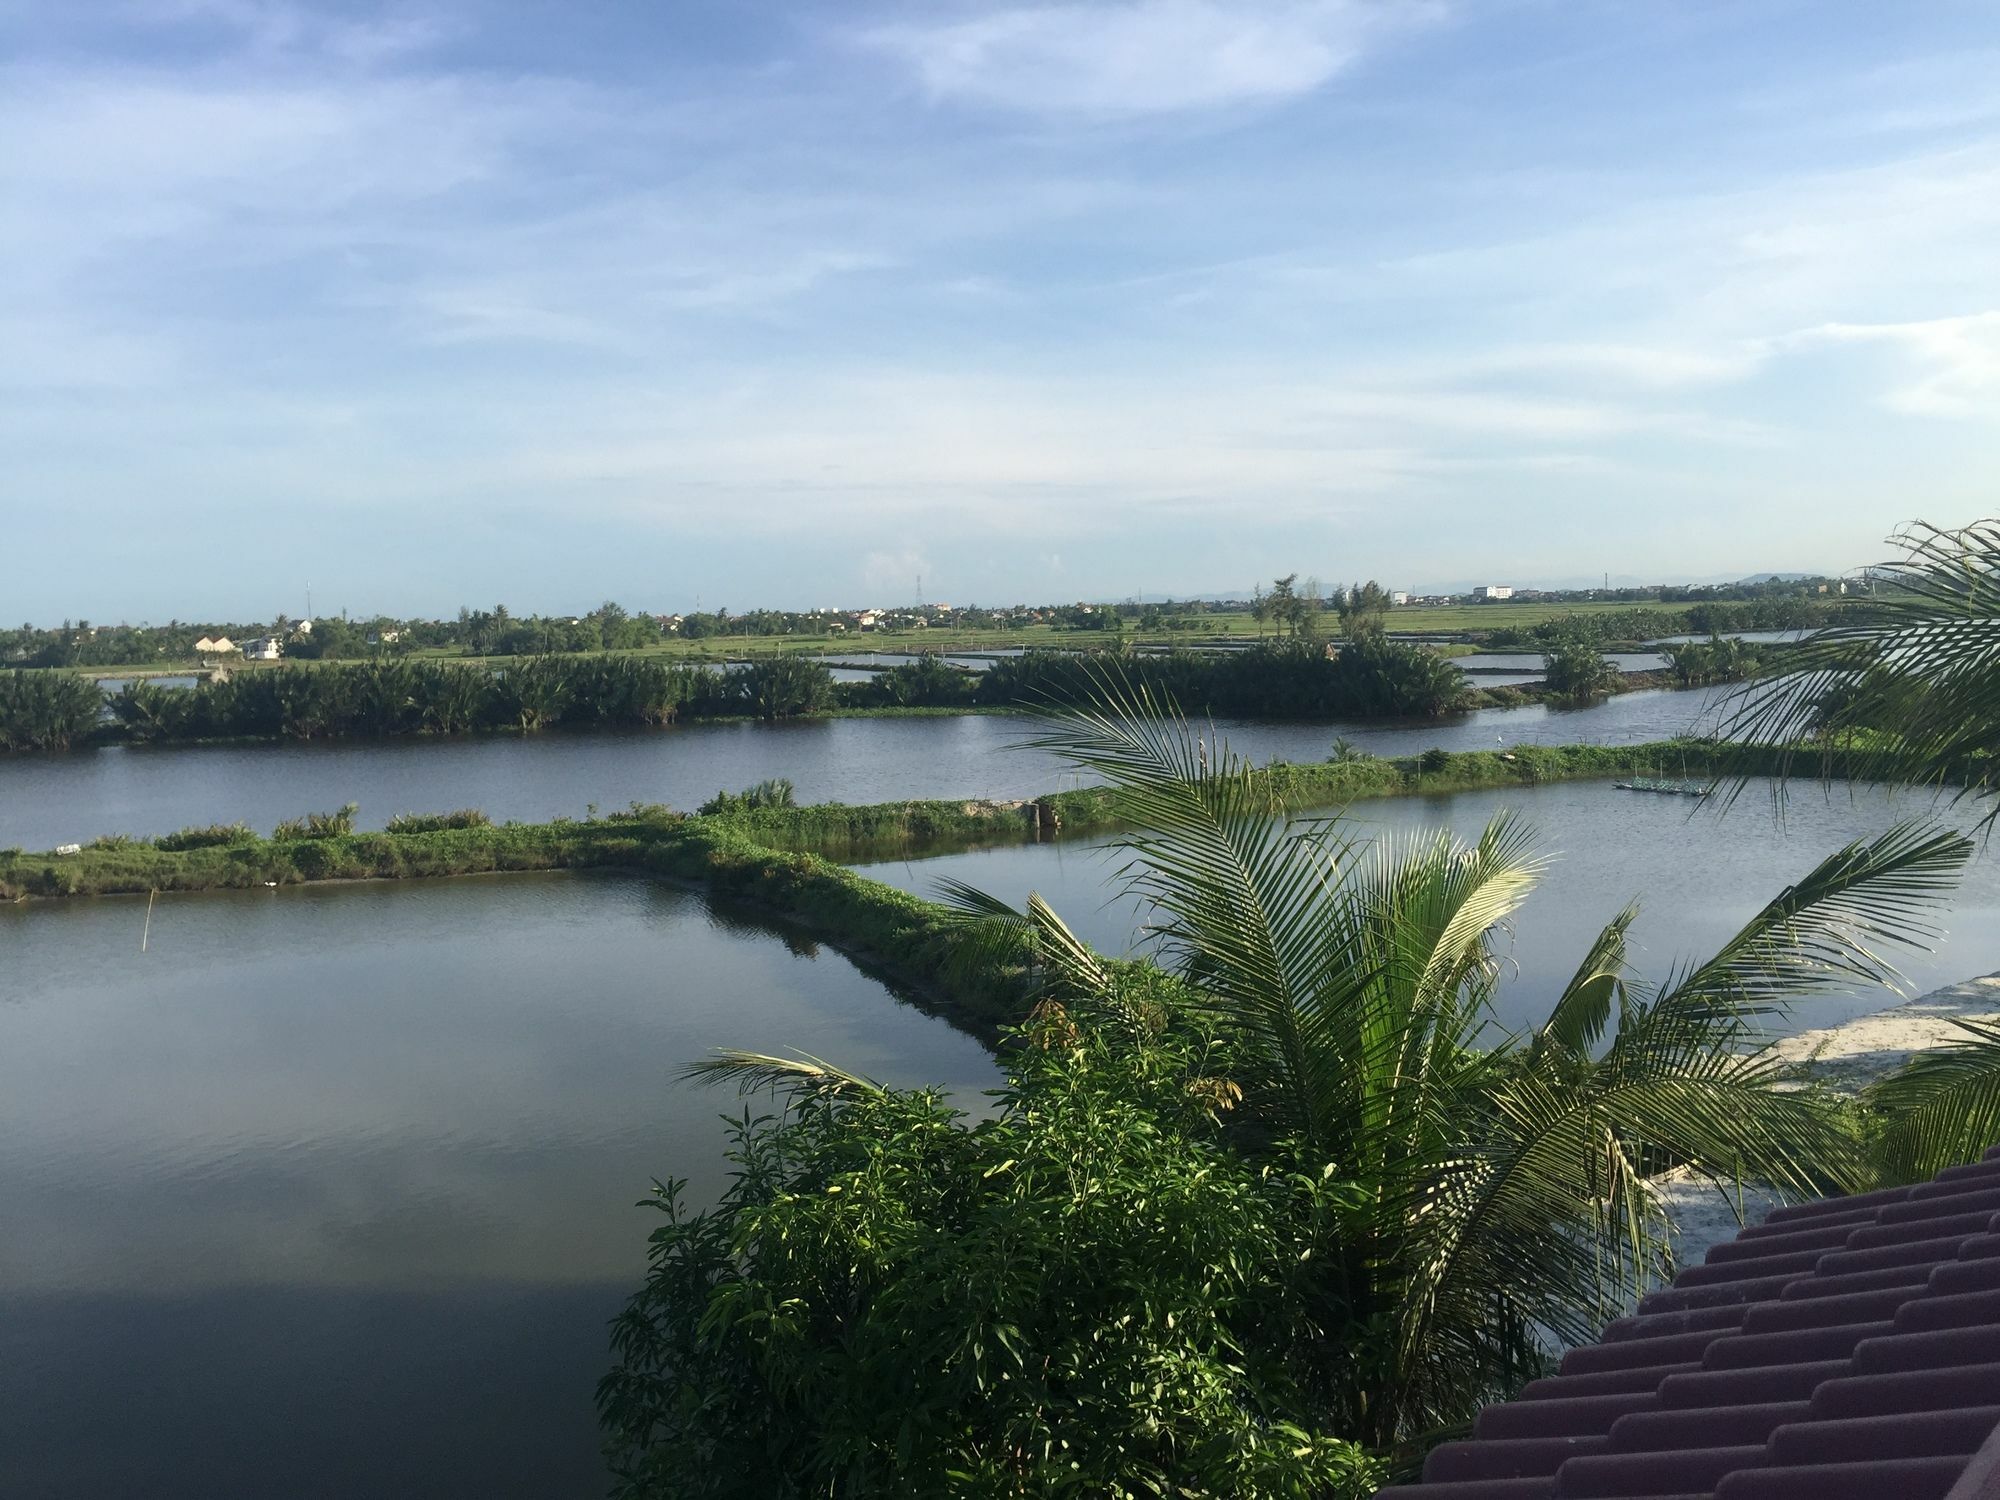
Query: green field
1194	629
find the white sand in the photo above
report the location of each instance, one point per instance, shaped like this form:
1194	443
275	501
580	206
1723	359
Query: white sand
1847	1057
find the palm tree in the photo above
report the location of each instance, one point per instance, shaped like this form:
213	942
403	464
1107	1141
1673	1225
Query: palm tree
1904	688
1507	1177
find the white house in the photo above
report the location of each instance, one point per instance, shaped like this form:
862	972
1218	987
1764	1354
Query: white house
1399	596
264	648
869	619
1490	591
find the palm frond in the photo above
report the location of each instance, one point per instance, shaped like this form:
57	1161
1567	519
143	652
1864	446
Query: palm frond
1904	687
1943	1106
1830	928
994	933
754	1071
1577	1020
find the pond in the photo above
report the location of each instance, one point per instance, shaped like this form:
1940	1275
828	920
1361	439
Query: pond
329	1192
47	800
1697	872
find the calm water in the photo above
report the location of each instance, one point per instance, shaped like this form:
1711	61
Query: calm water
1698	878
1478	665
141	791
330	1191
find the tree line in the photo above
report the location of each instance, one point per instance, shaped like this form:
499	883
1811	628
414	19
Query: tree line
1291	679
1635	625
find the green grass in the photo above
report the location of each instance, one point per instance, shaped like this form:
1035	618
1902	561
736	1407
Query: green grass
1234	626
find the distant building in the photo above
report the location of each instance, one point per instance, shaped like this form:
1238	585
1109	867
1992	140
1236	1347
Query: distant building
1492	591
1399	596
218	646
264	648
869	619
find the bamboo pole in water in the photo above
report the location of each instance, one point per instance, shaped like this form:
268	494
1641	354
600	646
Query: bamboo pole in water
146	933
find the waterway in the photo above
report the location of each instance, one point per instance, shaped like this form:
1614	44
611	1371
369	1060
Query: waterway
329	1191
144	791
1697	871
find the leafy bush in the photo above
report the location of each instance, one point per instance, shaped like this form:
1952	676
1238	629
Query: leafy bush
214	836
114	841
777	792
1298	678
783	687
465	817
47	710
927	682
892	1298
327	825
1574	672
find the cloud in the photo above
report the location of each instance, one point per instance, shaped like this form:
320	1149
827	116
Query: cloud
1958	360
894	575
1136	57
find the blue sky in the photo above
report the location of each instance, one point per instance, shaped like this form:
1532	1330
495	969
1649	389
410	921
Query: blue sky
431	304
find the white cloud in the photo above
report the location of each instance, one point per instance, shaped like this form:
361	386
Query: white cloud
1137	57
1957	361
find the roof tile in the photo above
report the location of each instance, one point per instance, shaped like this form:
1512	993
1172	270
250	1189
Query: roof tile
1842	1350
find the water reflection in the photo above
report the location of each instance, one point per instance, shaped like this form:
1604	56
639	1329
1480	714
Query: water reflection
329	1191
47	800
1698	876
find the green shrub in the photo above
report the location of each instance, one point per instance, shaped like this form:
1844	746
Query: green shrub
1085	1294
465	817
328	825
776	792
114	841
214	836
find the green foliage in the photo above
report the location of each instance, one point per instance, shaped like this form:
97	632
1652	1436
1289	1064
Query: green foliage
1506	1182
1714	617
1905	686
399	697
465	817
318	825
927	682
1574	672
776	792
784	687
1292	608
1085	1293
1291	679
213	836
1718	659
43	710
1364	610
1942	1107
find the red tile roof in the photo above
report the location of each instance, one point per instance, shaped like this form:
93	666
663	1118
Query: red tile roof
1841	1350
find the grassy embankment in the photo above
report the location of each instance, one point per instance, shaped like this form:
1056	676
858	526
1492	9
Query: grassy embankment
780	863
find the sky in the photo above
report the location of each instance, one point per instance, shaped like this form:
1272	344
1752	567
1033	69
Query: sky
743	304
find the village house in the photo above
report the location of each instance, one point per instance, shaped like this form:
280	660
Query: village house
264	648
216	646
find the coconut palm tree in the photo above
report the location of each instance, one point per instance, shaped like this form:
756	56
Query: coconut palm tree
1508	1196
1904	688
